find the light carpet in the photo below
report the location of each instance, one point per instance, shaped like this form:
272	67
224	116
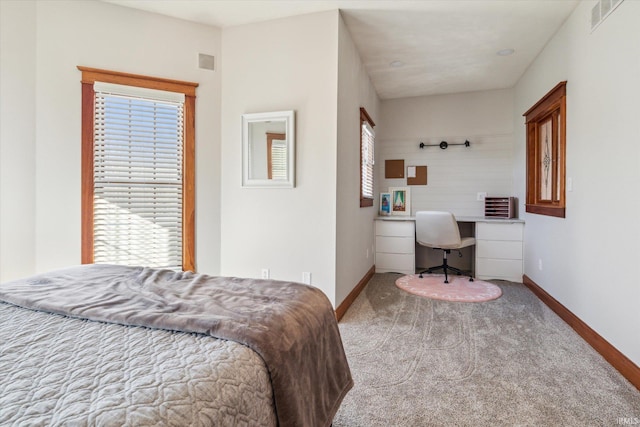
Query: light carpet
506	362
459	288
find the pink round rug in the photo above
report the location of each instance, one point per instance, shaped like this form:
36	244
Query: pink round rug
459	288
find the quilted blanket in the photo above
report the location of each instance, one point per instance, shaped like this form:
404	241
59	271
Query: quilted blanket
291	326
60	371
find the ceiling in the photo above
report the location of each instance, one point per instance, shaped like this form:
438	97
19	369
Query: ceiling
444	46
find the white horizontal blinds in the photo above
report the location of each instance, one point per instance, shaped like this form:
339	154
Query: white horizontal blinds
279	159
368	139
138	149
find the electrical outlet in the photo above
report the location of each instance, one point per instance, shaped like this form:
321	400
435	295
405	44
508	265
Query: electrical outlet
265	273
540	264
306	277
367	253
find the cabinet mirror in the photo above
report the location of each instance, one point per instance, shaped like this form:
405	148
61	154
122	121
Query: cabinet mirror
268	149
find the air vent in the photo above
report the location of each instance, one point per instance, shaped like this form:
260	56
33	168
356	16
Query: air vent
601	10
206	62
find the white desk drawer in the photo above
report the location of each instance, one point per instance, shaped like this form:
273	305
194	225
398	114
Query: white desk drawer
395	262
395	228
395	245
490	268
499	231
504	249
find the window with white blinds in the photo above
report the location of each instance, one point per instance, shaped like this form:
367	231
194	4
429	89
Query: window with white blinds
279	160
367	160
367	144
138	177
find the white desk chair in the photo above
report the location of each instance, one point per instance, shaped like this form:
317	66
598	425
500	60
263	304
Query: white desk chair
439	230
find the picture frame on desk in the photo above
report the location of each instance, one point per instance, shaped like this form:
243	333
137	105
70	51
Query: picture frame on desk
400	201
385	204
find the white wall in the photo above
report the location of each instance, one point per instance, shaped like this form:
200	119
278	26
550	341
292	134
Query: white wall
284	64
354	228
17	138
590	258
101	35
457	174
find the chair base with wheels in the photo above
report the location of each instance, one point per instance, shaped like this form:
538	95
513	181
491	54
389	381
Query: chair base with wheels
445	267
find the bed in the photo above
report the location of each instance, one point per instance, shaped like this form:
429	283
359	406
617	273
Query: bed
113	345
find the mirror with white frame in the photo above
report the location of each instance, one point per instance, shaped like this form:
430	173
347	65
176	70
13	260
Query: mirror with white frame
268	150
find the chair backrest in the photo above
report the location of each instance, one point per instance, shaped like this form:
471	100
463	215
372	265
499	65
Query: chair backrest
437	230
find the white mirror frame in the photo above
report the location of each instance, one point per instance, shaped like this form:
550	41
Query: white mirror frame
289	118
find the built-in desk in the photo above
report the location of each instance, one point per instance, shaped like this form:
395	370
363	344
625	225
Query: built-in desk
498	252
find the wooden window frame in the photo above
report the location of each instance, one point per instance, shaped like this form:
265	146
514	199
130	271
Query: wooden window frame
89	77
551	108
364	117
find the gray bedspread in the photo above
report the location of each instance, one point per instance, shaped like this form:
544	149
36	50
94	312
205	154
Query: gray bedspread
291	326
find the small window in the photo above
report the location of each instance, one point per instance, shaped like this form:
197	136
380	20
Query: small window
276	156
546	134
137	164
367	145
